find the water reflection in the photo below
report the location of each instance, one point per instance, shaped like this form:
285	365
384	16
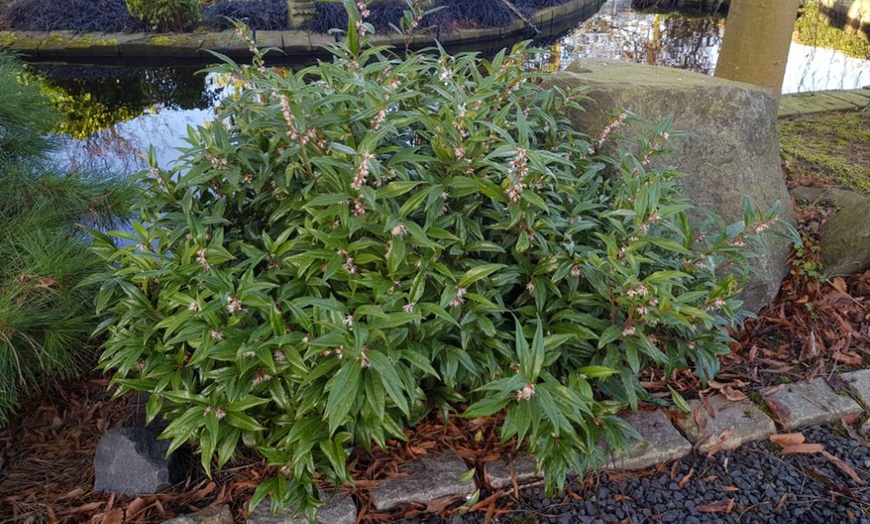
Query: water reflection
116	113
690	39
113	114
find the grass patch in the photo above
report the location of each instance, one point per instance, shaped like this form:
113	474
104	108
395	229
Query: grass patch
811	30
833	147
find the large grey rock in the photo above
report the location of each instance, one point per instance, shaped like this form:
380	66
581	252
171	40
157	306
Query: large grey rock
731	425
218	514
846	240
807	403
131	461
502	472
661	443
858	384
827	195
336	509
728	143
427	479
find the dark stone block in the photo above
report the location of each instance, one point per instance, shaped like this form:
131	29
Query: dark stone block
131	461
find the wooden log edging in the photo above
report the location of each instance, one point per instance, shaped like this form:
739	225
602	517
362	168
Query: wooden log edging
297	46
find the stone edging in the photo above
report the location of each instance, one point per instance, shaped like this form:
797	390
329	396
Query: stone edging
718	424
297	46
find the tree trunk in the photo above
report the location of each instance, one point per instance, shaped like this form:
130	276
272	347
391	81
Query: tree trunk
756	43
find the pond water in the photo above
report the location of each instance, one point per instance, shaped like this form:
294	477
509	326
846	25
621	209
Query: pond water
118	113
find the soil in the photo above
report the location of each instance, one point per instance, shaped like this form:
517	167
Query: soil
813	328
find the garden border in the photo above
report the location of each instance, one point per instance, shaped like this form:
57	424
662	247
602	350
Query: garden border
297	46
667	438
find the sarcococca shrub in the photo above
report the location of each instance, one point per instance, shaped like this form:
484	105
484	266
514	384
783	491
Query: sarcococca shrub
349	247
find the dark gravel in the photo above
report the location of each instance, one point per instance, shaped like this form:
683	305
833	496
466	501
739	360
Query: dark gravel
757	475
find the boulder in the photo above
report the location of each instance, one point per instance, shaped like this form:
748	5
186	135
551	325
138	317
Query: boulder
131	461
827	195
846	240
724	138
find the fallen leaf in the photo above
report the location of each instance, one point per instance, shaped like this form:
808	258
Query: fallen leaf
773	390
840	285
731	489
720	441
780	411
844	467
686	478
716	507
788	439
74	494
855	436
439	505
733	395
116	516
802	449
201	494
134	509
849	358
782	502
707	406
849	420
698	417
87	508
52	518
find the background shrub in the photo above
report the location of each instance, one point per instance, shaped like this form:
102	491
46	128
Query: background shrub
351	246
258	15
165	15
46	315
69	15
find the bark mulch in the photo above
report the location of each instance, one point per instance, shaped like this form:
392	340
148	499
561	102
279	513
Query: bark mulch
813	328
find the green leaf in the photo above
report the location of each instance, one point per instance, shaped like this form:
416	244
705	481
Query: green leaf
610	334
487	406
243	421
468	476
392	384
343	391
478	272
679	401
596	371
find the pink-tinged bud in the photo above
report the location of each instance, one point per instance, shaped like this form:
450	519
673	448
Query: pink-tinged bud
349	266
234	305
400	230
527	392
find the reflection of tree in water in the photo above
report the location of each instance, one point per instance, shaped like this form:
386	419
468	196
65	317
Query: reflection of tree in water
686	40
96	98
678	41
